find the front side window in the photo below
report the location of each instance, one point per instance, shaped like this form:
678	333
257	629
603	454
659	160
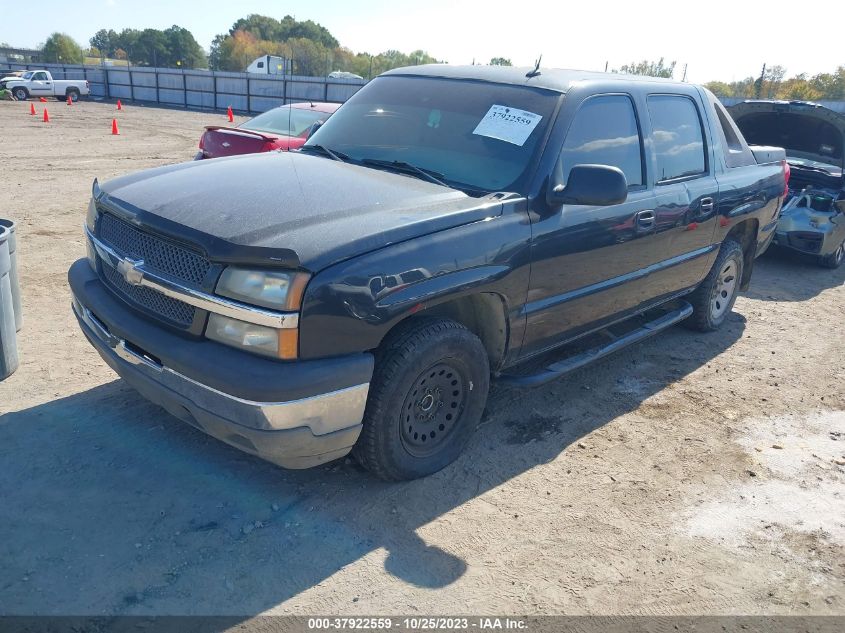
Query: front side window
40	77
677	135
605	132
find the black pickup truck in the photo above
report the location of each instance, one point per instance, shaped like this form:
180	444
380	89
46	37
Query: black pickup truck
448	225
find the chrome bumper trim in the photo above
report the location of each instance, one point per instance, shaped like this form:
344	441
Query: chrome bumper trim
322	414
142	276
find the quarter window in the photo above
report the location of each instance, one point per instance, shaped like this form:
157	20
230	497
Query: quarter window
678	139
605	132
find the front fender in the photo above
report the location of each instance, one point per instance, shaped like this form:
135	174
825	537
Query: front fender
354	304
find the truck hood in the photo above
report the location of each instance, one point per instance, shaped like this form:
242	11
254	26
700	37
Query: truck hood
288	209
806	130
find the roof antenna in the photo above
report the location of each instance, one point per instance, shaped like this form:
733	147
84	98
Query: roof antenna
536	70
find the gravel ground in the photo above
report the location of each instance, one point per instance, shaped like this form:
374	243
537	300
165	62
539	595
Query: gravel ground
692	474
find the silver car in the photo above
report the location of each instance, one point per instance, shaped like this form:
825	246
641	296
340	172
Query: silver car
812	220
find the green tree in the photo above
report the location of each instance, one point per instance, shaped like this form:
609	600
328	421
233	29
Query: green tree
105	41
183	48
720	88
500	61
649	68
62	48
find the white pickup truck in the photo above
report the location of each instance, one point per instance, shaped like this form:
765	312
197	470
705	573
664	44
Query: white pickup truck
40	83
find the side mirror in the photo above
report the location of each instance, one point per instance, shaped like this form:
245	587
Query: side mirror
314	128
593	185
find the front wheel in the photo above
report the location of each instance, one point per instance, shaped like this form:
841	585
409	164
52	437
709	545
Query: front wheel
427	396
835	259
21	94
713	300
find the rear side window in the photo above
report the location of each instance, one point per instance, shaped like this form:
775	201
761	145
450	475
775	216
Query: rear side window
737	153
678	139
605	132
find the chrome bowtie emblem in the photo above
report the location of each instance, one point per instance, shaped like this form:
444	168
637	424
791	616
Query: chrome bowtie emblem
130	269
225	144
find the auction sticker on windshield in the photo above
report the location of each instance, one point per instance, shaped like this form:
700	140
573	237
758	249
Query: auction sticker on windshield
507	124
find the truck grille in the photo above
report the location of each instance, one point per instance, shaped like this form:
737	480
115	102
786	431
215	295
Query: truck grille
169	259
171	309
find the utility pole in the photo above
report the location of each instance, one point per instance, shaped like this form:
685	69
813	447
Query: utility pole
759	86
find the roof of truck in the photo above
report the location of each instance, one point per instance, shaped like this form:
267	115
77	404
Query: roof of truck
557	79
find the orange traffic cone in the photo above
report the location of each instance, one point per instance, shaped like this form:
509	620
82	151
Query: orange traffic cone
114	130
230	115
46	116
119	105
32	108
42	99
69	101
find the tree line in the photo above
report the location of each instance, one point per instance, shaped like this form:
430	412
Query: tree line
773	84
312	50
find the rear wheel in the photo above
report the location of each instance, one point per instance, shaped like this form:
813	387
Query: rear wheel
73	94
427	396
713	300
835	259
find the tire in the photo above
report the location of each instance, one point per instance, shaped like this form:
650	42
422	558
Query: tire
426	398
714	298
74	95
21	94
835	259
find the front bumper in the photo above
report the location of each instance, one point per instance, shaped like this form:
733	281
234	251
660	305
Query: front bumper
292	423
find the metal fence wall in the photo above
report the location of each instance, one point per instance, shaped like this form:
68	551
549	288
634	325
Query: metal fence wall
202	89
217	90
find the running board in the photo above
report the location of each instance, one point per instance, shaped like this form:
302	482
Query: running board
560	368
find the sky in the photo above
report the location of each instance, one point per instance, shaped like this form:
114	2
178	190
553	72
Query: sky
719	39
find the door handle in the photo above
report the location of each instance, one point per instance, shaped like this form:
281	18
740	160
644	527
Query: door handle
645	220
706	205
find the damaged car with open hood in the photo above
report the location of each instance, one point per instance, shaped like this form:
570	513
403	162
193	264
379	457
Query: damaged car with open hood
813	217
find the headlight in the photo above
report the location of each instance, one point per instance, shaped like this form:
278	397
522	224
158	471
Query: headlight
265	288
91	216
258	339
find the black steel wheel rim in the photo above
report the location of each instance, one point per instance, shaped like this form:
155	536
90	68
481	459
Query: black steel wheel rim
432	409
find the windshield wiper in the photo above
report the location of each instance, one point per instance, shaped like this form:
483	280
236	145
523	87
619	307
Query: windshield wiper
427	174
325	151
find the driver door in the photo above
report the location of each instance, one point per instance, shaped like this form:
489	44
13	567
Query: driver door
41	85
586	259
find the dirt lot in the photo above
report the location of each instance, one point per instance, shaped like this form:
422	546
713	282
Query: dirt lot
692	474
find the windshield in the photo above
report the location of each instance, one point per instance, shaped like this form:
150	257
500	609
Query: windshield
476	135
285	121
27	76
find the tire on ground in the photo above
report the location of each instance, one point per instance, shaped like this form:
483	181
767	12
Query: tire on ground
834	260
705	317
426	398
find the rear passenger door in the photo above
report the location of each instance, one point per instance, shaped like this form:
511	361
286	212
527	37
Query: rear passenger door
685	195
585	259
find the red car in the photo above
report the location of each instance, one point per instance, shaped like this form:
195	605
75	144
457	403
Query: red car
286	127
